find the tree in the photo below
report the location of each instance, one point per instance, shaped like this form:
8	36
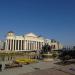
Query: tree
46	48
67	55
73	47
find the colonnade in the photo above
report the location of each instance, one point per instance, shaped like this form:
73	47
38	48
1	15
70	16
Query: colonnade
12	44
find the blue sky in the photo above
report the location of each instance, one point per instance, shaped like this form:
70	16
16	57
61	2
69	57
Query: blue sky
49	18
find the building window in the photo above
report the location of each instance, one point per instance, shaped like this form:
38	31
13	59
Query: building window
53	41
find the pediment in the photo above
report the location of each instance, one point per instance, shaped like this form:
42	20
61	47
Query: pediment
31	35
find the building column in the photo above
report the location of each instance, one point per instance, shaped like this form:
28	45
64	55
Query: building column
21	44
24	44
31	46
41	45
13	45
6	45
36	45
10	45
27	45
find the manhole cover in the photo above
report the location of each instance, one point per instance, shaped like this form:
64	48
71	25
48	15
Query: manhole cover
73	69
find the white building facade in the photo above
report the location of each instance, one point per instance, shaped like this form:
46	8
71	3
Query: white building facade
28	42
2	45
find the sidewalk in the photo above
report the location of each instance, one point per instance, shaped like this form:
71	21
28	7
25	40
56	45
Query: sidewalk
46	72
27	68
41	66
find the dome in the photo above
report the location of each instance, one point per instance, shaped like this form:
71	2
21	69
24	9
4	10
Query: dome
10	33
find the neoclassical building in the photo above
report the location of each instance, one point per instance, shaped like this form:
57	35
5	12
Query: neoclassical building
28	42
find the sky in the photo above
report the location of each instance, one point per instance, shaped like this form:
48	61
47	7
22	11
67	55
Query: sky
53	19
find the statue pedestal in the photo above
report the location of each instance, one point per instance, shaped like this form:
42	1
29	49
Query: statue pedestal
48	59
